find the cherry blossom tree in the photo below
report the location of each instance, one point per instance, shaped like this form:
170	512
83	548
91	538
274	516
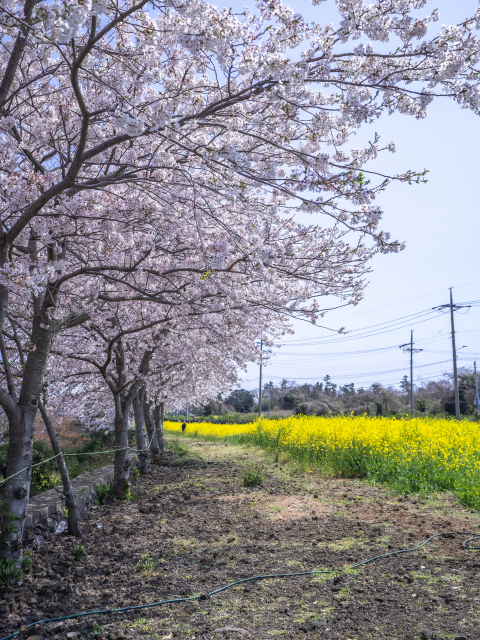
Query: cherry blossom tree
169	267
161	359
115	116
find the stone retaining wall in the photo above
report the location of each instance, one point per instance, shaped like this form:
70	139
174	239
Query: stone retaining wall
45	511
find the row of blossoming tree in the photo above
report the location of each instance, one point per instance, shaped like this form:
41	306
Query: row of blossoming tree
154	156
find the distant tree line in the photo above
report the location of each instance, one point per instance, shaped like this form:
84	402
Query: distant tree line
434	397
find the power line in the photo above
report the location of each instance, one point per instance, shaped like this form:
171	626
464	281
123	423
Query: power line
394	304
357	375
402	319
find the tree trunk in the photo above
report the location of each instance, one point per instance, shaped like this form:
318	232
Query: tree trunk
21	424
123	402
142	446
121	465
17	490
71	502
152	434
159	426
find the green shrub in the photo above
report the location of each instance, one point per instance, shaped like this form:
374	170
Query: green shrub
104	491
252	477
176	447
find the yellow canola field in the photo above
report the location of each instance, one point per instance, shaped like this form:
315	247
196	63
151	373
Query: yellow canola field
420	454
211	430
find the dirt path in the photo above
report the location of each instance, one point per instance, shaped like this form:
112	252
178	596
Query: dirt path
192	527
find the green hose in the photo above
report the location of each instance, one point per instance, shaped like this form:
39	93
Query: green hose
475	536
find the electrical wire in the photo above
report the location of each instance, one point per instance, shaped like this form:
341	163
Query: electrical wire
475	536
408	319
411	319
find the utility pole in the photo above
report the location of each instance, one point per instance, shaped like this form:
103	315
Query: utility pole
476	402
454	307
269	398
454	351
260	383
408	348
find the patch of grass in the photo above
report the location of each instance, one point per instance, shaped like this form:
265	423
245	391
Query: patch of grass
252	477
323	577
178	449
344	544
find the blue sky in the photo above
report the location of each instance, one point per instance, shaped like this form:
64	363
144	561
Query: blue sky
438	221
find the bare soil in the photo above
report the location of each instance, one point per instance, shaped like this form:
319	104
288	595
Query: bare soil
192	527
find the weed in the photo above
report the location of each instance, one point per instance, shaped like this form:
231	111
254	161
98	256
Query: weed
65	512
104	491
139	622
135	473
11	571
177	448
344	592
146	564
78	552
25	562
252	477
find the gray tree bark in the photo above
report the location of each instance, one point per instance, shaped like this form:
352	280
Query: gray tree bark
121	464
142	445
21	415
152	434
71	502
158	415
123	401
